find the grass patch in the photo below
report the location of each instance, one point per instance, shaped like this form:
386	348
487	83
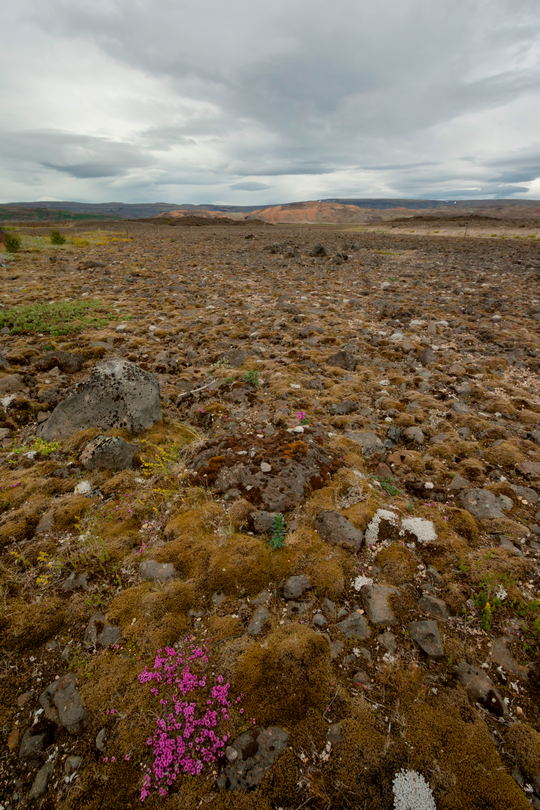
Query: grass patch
61	318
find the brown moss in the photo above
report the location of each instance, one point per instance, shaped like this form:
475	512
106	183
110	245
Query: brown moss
126	606
244	565
470	770
30	625
69	509
398	564
405	420
286	676
152	615
13	531
222	627
356	769
239	513
523	743
327	577
495	563
75	443
510	528
504	454
472	468
464	524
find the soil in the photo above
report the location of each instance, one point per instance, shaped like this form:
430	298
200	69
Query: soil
377	375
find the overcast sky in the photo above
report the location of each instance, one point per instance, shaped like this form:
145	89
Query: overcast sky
252	102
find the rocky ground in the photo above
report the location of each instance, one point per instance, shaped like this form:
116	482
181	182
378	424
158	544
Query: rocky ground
303	464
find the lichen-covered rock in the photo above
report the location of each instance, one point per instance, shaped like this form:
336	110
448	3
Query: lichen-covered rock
483	504
426	634
63	705
480	688
118	394
250	756
108	453
376	601
232	466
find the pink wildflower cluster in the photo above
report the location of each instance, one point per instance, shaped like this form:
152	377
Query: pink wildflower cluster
189	734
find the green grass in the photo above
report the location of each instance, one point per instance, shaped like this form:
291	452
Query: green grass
277	540
60	318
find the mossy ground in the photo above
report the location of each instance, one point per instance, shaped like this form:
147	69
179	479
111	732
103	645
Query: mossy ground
403	709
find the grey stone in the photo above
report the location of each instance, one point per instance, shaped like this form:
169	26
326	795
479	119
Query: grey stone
434	606
67	362
360	677
389	642
108	453
258	621
72	764
334	735
32	744
531	469
501	655
527	493
101	739
40	782
480	688
11	384
250	756
262	521
427	636
458	483
342	408
100	633
118	394
414	434
295	586
320	620
375	599
328	607
482	503
343	359
62	704
337	530
154	571
369	442
74	581
354	626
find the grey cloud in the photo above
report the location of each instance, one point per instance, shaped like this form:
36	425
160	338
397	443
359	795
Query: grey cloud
250	186
389	93
78	155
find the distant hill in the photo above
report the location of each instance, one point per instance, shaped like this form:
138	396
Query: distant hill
332	210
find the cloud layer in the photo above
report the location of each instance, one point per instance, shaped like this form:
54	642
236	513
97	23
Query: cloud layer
204	101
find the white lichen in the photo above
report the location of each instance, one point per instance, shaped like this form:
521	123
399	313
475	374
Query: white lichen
359	582
372	531
422	529
412	792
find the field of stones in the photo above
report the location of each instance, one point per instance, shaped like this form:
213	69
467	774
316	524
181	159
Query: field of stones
269	520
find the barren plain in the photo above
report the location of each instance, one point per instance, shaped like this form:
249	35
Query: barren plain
327	519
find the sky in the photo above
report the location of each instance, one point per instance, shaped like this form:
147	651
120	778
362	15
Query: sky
248	102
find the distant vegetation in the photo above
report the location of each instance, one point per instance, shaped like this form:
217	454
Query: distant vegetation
60	318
